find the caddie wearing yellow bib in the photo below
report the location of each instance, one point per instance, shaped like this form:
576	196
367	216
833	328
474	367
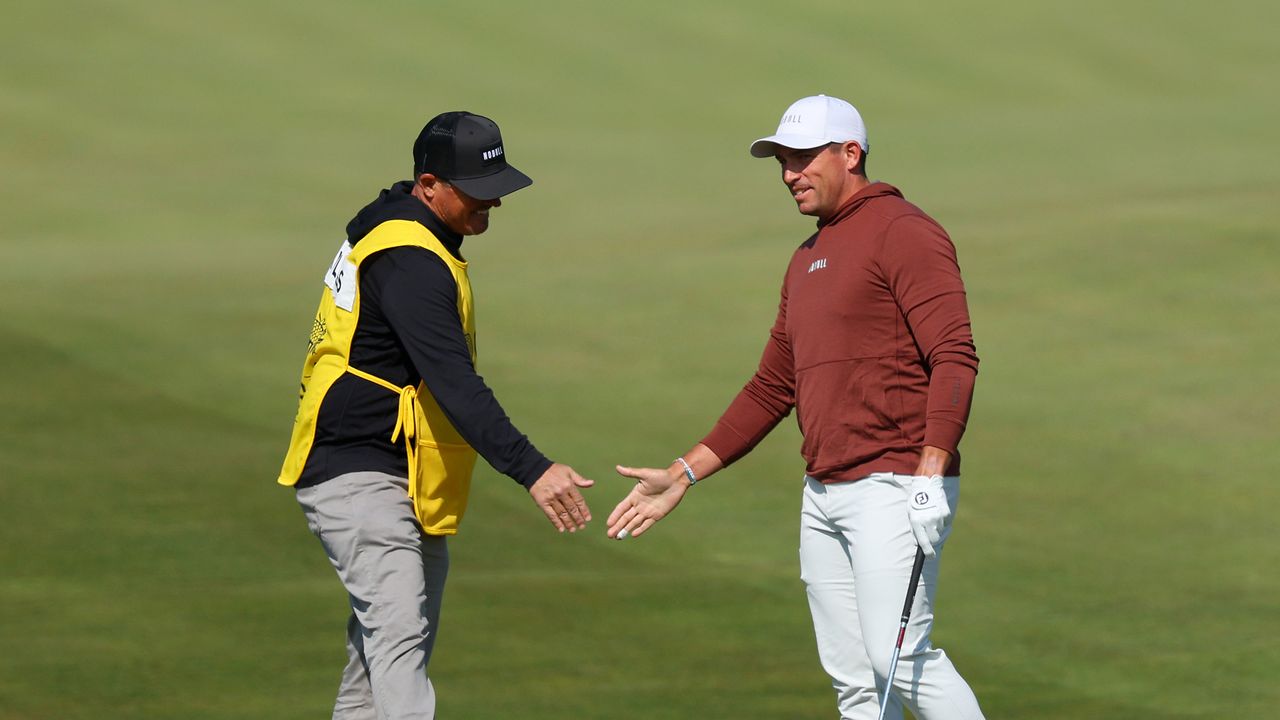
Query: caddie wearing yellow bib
393	413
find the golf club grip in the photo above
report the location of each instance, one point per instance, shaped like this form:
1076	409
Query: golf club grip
911	585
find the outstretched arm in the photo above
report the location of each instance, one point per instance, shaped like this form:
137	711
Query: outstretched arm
657	492
414	289
761	404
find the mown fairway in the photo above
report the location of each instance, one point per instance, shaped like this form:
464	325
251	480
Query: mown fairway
175	178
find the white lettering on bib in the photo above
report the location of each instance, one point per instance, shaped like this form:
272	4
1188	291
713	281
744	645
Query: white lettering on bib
341	278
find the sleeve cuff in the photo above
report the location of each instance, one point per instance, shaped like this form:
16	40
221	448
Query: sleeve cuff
945	434
530	476
726	443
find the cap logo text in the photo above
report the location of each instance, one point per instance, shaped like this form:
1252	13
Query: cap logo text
492	154
792	118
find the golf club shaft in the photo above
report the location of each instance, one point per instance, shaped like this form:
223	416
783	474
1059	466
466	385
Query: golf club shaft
902	627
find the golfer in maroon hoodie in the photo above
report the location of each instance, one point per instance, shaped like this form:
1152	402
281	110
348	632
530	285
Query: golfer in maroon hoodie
873	349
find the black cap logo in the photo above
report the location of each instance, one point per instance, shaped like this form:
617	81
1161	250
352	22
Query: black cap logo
493	155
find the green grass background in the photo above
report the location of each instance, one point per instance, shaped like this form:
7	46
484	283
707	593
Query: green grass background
175	177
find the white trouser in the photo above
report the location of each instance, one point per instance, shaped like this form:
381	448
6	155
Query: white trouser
394	576
856	554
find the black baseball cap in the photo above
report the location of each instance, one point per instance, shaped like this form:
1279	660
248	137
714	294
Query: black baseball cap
466	150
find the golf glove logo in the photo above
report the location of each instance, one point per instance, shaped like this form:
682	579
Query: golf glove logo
928	511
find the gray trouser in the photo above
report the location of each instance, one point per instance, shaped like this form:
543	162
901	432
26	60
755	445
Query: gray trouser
394	576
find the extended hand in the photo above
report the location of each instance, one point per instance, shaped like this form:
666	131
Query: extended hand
656	493
927	510
556	492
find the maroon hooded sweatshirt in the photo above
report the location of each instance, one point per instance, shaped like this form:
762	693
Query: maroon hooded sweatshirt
872	346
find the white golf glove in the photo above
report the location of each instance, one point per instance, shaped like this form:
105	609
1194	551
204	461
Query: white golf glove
928	510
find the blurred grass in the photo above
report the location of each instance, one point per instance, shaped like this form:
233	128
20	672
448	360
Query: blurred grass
176	176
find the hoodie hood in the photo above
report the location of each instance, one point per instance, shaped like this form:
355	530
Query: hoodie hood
874	190
398	203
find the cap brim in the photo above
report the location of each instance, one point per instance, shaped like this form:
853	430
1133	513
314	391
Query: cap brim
491	187
768	147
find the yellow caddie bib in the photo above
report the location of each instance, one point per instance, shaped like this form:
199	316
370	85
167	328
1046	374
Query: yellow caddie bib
440	461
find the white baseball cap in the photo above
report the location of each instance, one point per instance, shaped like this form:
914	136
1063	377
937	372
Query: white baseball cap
812	122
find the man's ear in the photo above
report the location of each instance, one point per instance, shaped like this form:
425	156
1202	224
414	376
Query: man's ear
426	186
852	155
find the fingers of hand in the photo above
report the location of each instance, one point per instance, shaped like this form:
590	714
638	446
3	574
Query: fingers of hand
553	514
560	500
620	518
642	476
632	500
632	523
580	503
568	514
927	526
642	527
922	539
628	523
618	510
575	478
563	517
935	522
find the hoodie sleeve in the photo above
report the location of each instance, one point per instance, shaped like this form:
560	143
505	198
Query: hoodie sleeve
418	296
920	265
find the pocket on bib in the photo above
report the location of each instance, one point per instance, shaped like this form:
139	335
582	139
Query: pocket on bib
443	480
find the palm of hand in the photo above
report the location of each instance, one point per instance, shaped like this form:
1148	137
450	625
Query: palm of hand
654	495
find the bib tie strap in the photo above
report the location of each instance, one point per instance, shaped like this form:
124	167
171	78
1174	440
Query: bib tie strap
410	417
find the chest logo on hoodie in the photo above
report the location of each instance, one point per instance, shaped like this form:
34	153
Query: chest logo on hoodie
817	264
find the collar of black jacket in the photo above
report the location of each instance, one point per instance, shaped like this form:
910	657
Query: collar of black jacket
398	203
